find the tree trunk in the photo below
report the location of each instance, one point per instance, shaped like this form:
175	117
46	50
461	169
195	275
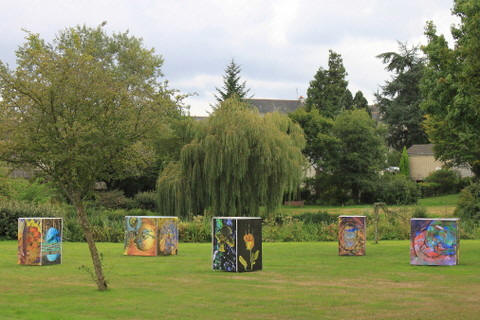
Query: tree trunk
97	264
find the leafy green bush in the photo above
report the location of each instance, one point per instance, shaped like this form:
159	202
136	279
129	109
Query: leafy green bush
10	211
445	181
308	226
23	190
396	189
317	217
419	212
146	200
429	189
199	229
114	199
468	206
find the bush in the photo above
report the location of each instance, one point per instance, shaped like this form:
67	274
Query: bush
20	189
419	212
114	199
317	217
146	200
396	189
10	211
468	206
429	189
445	181
199	229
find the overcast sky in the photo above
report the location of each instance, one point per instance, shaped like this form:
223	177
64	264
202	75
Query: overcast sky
278	44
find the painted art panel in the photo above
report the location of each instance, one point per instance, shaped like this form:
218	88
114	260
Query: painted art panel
224	244
351	236
167	236
140	236
29	241
51	241
249	244
434	242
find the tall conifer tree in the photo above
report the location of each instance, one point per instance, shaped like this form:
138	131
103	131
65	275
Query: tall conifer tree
328	91
404	165
232	85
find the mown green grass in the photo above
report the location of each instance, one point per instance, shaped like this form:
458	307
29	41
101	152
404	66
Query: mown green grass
441	206
447	200
299	281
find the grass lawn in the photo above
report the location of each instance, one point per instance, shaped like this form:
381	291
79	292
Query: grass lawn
299	281
442	206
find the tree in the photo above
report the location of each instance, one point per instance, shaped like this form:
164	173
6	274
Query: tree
328	91
238	162
451	87
399	101
360	102
81	110
404	164
232	84
359	155
320	144
167	141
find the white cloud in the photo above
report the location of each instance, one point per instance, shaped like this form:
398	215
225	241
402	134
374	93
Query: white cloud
279	44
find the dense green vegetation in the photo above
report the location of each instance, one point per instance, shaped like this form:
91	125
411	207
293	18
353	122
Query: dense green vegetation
298	281
400	98
237	162
450	87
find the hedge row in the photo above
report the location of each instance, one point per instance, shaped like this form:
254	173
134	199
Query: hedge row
108	225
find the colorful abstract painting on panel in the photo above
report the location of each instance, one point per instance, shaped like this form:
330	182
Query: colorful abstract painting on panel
51	241
351	235
224	246
434	242
29	241
167	236
249	244
140	236
39	241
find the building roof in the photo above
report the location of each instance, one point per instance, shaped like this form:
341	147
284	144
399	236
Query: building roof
279	105
421	150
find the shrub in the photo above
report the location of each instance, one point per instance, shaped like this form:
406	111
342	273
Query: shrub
198	229
419	212
146	200
468	206
396	189
429	189
317	217
114	199
448	181
10	211
23	190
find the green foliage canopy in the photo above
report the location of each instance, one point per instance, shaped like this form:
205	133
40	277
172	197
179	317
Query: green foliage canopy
359	155
328	91
451	87
81	109
400	98
238	161
232	85
360	102
319	140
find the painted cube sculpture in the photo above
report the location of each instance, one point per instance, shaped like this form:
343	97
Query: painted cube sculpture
434	242
151	235
351	235
40	241
237	244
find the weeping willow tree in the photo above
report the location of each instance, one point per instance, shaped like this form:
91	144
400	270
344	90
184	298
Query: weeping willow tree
238	162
